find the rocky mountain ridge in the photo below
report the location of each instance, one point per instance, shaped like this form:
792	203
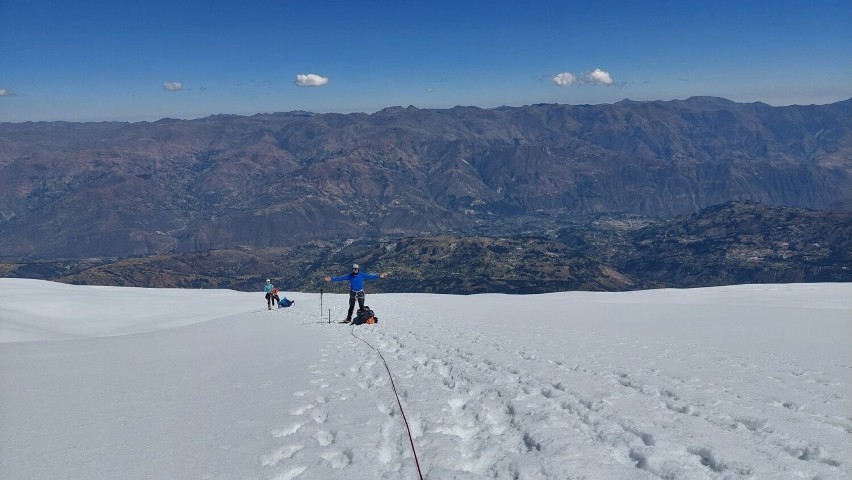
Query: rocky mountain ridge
279	181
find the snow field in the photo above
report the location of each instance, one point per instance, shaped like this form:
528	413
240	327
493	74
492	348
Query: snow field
724	383
556	398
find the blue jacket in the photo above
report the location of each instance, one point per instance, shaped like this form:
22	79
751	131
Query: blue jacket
356	281
267	288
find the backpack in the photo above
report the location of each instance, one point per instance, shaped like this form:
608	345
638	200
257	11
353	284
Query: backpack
365	315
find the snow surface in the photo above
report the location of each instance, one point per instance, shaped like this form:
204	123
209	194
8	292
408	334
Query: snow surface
734	382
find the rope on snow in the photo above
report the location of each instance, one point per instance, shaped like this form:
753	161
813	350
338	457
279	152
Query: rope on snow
398	402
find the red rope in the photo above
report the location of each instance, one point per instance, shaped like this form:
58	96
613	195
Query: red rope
398	402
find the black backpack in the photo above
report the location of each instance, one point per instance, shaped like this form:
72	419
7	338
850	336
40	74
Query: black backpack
365	315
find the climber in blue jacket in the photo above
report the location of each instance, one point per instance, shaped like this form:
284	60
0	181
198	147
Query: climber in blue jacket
356	287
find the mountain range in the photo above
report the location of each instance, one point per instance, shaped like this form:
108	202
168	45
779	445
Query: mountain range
76	190
78	199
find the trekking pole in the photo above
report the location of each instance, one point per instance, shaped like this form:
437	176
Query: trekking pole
320	305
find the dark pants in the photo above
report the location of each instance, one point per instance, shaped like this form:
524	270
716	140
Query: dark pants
353	295
271	298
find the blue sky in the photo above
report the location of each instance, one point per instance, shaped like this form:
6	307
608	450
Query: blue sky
132	60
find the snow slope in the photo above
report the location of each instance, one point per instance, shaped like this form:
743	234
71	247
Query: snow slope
733	382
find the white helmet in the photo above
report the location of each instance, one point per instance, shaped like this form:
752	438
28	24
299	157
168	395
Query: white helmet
354	266
268	281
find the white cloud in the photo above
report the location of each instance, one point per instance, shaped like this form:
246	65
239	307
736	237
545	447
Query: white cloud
599	77
565	79
311	80
6	93
595	77
172	86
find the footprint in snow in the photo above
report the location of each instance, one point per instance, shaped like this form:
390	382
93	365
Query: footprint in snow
324	438
277	456
301	410
319	415
291	474
338	460
289	430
